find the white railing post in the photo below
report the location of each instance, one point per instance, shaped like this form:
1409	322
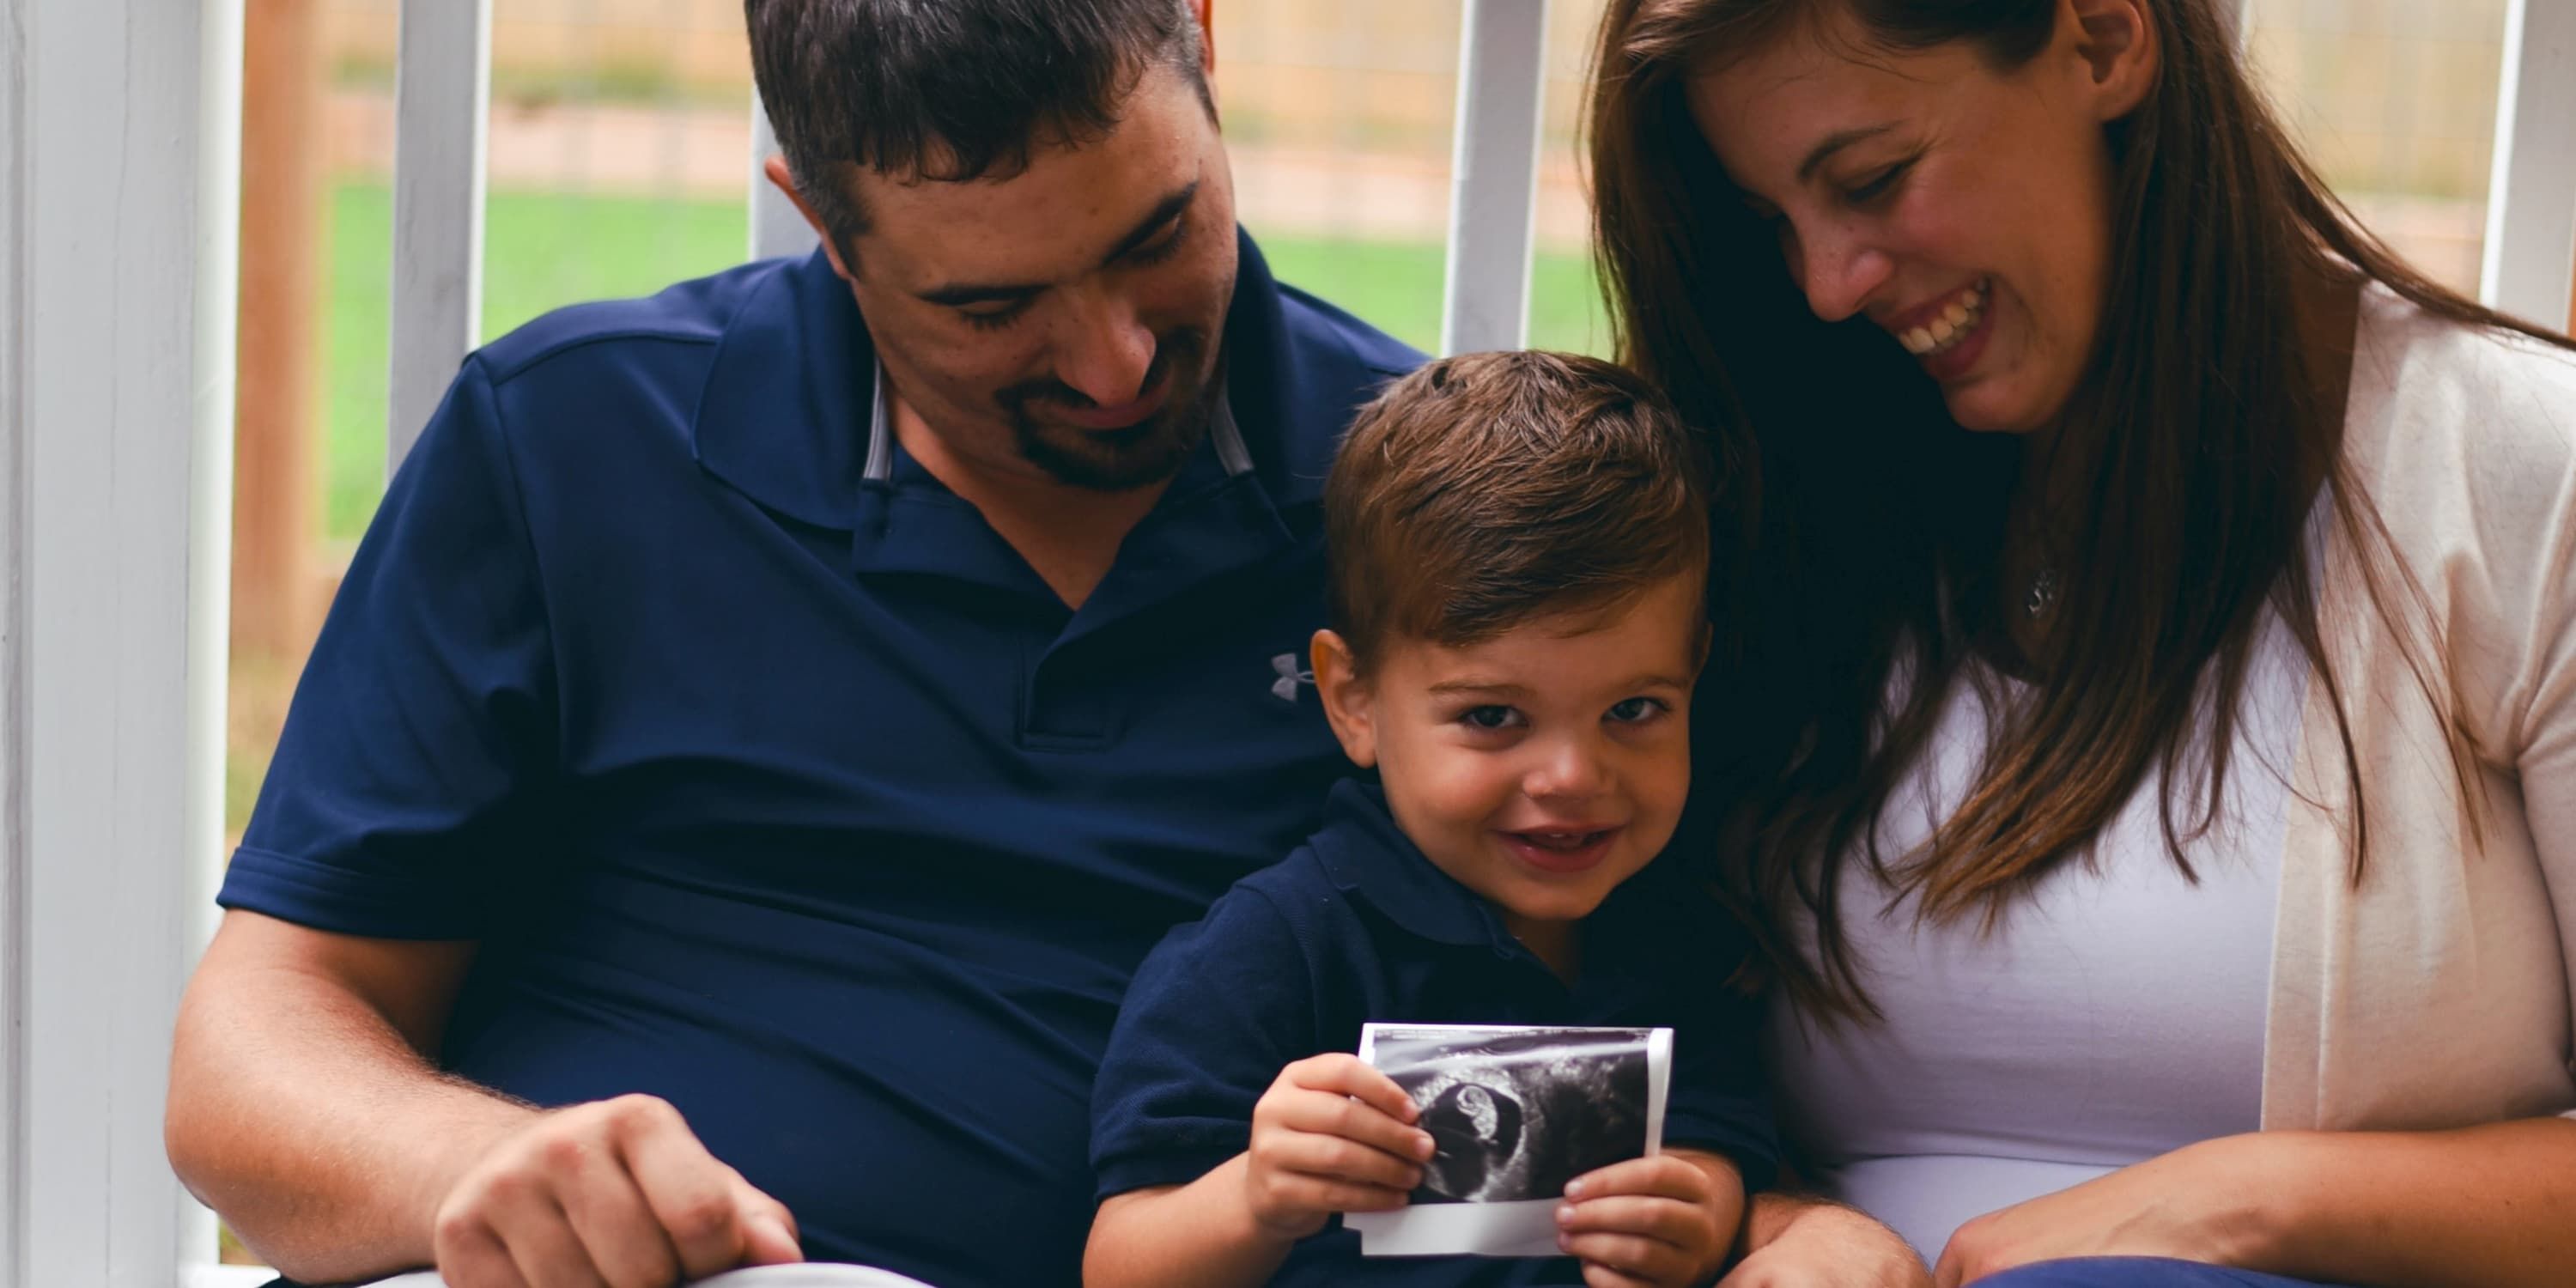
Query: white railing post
2531	193
442	96
119	207
1493	196
777	227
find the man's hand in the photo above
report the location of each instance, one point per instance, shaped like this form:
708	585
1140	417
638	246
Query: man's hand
616	1193
1331	1135
1657	1222
1810	1243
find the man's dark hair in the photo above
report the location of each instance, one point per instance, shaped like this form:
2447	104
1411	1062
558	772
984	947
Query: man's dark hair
950	90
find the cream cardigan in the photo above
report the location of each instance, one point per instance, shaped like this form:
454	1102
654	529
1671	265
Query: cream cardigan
2437	993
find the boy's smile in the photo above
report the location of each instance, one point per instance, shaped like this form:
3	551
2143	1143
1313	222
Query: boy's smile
1539	768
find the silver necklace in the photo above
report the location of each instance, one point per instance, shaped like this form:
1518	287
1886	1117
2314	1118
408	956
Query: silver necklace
2043	592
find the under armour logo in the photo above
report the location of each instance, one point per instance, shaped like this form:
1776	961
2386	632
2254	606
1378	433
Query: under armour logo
1290	676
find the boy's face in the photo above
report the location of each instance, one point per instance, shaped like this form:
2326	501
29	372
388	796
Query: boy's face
1543	767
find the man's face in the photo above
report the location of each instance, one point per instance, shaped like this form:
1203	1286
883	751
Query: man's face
1063	321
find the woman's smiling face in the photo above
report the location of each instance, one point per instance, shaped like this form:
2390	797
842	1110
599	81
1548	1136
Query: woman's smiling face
1963	209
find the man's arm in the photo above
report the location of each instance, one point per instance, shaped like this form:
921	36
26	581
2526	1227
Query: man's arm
305	1109
1797	1241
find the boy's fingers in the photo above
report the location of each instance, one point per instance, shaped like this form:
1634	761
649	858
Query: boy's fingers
1683	1225
1645	1259
1324	1194
1332	1115
1332	1156
1596	1275
1661	1176
1347	1075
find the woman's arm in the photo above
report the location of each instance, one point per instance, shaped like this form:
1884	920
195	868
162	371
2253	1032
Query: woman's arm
2491	1206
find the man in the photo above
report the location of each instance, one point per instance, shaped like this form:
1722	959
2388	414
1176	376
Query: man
766	723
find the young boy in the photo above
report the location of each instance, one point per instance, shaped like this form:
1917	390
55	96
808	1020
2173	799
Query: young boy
1519	559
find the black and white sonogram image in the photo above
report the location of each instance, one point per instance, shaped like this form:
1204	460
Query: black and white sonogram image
1518	1113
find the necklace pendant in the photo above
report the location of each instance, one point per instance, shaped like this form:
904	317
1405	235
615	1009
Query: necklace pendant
2043	592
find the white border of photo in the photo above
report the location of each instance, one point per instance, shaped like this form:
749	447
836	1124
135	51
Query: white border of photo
1519	1228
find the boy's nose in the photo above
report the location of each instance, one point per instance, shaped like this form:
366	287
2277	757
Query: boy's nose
1567	770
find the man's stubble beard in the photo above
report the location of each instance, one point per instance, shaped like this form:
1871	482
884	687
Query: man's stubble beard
1126	459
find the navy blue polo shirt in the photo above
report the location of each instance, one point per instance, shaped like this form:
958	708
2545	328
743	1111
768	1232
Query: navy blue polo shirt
1357	925
773	782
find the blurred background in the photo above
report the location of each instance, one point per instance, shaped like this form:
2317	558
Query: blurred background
619	144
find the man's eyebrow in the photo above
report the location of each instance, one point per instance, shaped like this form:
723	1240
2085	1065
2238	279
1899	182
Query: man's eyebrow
1836	142
1164	212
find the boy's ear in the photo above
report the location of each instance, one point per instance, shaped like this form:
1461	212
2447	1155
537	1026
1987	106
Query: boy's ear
1349	704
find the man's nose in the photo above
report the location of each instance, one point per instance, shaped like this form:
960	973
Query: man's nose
1106	350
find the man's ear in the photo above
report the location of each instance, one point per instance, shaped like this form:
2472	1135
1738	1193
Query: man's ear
1350	705
2116	39
1207	37
775	168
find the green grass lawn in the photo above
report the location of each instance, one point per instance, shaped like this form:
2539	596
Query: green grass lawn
543	250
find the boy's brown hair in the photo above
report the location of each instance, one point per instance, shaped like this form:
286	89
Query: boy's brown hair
1488	489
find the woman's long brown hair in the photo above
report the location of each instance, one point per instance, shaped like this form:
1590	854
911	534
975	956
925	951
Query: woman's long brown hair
1876	526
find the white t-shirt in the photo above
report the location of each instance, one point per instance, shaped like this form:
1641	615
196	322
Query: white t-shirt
2115	1014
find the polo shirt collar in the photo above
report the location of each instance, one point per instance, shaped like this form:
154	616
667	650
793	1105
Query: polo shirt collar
1369	857
1636	936
792	414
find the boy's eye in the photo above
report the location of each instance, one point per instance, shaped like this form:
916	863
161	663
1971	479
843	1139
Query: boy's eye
1637	710
1489	717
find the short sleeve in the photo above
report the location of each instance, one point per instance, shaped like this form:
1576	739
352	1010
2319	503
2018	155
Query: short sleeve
1217	1010
410	776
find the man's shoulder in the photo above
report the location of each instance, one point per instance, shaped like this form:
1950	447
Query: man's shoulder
1319	323
582	338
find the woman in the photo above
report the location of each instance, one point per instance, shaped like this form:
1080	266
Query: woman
2160	647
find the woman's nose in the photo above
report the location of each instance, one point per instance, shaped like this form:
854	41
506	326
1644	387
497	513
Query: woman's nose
1838	272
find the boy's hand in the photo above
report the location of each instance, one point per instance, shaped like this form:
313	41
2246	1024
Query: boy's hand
1660	1222
1331	1135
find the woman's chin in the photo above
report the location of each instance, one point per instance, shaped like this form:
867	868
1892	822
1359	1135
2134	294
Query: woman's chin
1991	406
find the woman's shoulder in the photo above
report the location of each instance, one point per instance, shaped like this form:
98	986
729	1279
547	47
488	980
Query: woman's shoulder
2440	406
2462	439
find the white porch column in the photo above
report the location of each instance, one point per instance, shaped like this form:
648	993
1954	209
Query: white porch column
119	130
442	103
2531	194
777	228
1493	197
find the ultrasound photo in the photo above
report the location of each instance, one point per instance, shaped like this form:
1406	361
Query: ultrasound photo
1516	1113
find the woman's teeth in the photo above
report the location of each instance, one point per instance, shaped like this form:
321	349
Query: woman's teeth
1950	328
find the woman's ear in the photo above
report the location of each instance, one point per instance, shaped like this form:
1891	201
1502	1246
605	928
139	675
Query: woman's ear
2116	39
1349	703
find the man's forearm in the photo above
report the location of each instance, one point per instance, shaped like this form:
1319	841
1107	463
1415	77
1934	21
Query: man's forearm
306	1119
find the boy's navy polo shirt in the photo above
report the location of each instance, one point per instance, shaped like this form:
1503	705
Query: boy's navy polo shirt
1357	925
773	782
